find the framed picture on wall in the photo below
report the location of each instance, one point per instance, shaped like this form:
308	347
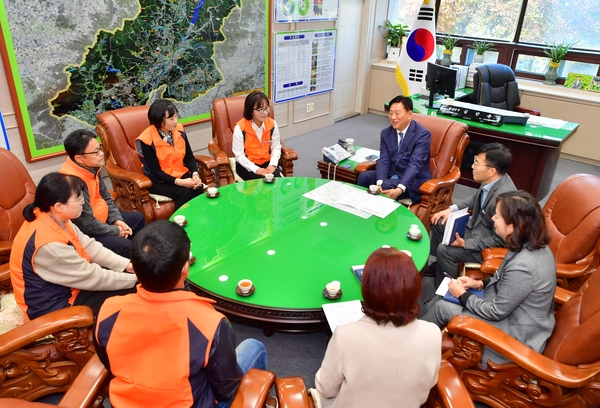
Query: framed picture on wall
68	62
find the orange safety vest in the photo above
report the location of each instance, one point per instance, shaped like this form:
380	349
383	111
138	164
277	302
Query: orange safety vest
257	151
34	295
170	158
99	206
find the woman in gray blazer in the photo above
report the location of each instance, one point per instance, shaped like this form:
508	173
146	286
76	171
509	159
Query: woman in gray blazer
388	358
519	298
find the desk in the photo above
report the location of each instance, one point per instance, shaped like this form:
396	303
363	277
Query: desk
535	150
232	234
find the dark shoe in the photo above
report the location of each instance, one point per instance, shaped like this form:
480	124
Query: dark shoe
271	402
430	269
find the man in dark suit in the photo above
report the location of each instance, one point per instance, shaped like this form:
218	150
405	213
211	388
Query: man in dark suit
489	168
403	164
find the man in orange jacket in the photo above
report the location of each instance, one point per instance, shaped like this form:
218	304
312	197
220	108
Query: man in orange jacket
164	345
100	219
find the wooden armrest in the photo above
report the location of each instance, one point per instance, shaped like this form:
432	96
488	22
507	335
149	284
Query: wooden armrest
216	152
5	247
17	403
490	253
254	389
534	112
452	391
4	272
76	316
538	364
87	386
366	165
571	271
206	162
562	296
292	393
139	180
490	265
450	179
289	153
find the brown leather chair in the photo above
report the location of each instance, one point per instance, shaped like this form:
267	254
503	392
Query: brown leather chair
449	391
225	113
573	218
18	190
35	364
566	374
449	140
118	130
87	387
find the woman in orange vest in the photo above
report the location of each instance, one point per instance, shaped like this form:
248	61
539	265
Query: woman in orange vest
256	142
166	155
53	265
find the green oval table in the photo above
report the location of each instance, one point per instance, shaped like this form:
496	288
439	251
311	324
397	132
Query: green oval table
289	246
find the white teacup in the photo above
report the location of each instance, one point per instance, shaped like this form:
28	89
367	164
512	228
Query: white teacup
373	188
245	285
406	252
179	219
333	288
414	232
212	191
269	177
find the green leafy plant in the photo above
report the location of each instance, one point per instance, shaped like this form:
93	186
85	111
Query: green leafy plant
481	47
557	51
449	42
393	33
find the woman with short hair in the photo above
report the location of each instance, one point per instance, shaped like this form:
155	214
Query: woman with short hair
388	358
256	142
167	156
519	298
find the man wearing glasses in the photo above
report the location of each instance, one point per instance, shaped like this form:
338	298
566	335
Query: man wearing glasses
489	168
100	218
256	142
404	148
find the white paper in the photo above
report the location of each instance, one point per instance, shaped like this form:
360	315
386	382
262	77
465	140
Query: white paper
333	191
450	224
547	122
361	154
341	313
443	288
380	206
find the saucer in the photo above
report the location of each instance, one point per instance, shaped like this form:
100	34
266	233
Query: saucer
269	182
215	196
184	223
239	291
328	296
375	193
192	260
417	238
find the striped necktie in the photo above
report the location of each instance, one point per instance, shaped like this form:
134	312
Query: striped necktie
400	137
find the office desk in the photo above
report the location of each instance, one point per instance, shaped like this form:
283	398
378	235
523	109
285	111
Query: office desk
535	150
313	244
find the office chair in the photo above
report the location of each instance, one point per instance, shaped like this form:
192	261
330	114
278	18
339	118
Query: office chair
495	85
225	114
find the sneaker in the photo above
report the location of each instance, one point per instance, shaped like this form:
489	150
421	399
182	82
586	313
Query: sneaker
271	402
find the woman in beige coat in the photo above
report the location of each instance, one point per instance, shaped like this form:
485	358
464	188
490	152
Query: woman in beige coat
388	358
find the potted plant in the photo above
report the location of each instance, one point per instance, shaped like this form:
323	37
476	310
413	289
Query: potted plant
556	52
449	43
480	48
393	33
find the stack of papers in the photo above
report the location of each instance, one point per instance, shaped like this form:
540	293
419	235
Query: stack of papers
341	313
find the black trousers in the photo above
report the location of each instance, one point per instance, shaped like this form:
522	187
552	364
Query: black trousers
248	175
120	245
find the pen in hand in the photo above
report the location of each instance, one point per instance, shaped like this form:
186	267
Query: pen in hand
447	275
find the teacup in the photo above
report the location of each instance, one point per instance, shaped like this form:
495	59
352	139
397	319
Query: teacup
373	188
245	285
212	191
179	219
269	177
406	252
414	232
333	288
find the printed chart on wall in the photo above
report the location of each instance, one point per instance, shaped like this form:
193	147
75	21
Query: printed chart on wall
304	63
291	11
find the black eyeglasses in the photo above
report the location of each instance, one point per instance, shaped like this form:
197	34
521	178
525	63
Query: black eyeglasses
94	152
476	163
266	109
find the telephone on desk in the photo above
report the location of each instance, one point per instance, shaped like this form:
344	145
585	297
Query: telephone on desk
335	153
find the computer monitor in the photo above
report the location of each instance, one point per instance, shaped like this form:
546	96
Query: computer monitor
441	81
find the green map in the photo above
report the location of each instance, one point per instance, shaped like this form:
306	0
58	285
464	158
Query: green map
79	58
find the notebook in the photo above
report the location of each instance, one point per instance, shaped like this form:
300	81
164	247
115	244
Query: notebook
357	270
456	222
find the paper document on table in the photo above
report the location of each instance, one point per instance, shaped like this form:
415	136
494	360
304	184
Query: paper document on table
341	313
361	154
333	191
380	206
547	122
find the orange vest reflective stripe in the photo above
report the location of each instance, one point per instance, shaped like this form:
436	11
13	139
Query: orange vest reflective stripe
99	206
33	235
170	158
257	151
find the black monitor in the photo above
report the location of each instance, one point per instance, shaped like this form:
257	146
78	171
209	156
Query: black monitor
441	81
